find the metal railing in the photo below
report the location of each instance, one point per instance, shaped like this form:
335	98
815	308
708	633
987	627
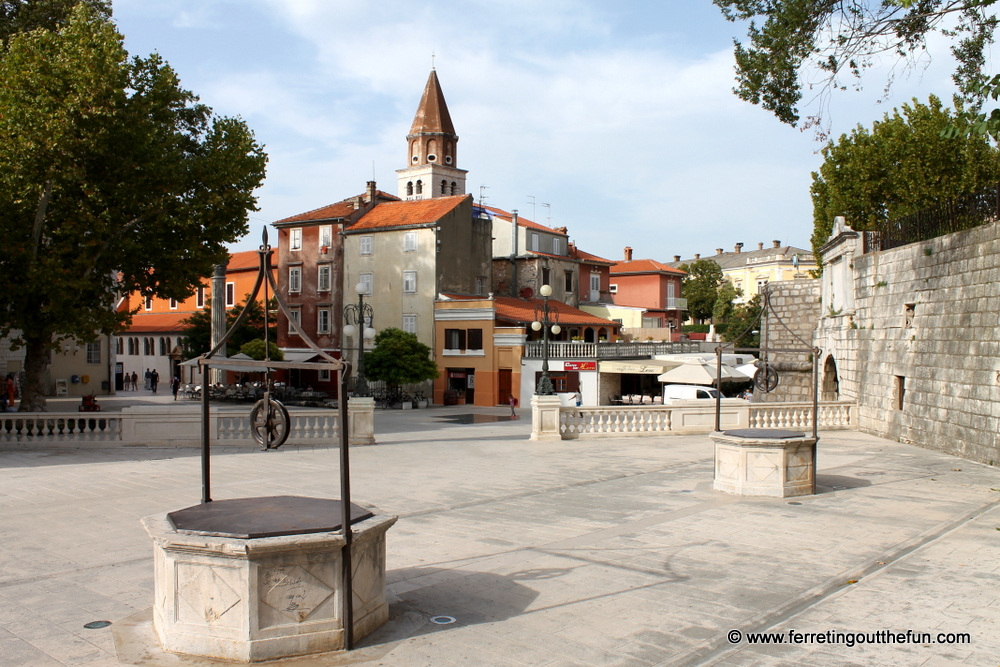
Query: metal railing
964	212
563	350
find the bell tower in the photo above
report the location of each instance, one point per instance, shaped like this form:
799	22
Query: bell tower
432	150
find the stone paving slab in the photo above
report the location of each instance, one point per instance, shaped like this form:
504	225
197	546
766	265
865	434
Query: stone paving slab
610	552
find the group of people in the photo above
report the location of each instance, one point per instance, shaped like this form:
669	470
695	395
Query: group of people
151	379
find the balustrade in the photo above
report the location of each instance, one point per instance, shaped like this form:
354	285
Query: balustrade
43	426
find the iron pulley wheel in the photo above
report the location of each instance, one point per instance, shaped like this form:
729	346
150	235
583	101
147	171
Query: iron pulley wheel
765	379
269	423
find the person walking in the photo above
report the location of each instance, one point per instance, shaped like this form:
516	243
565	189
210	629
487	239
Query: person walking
135	381
175	384
10	389
513	404
154	380
147	380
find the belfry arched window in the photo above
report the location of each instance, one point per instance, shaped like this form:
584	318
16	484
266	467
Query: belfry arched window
420	187
409	189
454	188
444	187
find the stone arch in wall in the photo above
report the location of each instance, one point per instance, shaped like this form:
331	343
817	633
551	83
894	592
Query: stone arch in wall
830	389
589	336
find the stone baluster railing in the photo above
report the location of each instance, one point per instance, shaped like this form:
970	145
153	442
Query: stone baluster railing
840	415
20	426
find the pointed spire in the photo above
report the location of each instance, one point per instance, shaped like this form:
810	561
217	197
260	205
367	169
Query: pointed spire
432	114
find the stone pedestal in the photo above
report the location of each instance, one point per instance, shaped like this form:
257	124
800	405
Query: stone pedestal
361	415
264	598
761	462
545	418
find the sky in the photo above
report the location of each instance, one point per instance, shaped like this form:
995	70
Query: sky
615	120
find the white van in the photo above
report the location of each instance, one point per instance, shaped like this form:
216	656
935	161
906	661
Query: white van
687	392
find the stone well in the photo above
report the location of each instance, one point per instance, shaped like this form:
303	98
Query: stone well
236	595
765	462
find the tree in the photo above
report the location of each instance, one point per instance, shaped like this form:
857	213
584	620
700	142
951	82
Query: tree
743	323
399	358
788	38
255	350
198	332
725	306
900	166
113	180
701	287
24	15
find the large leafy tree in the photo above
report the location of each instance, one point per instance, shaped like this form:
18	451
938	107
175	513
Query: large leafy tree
701	287
399	358
818	46
24	15
113	179
900	166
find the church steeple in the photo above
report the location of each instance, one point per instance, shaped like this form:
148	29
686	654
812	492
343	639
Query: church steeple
432	149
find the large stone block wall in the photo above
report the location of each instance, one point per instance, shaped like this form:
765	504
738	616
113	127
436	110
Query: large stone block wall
789	325
924	322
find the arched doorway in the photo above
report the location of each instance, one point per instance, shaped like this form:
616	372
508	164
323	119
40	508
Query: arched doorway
831	383
588	335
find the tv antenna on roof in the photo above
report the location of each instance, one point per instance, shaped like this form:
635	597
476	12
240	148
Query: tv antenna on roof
548	217
532	202
432	60
482	194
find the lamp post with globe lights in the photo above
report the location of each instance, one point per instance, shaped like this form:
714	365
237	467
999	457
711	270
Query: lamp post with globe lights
358	318
545	325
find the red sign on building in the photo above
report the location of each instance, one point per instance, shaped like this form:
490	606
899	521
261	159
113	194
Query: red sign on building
580	365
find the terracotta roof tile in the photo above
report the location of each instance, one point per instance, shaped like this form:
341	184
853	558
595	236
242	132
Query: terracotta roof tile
158	322
524	310
405	213
587	257
243	261
341	209
644	266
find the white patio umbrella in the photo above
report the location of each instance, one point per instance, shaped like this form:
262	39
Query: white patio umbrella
699	372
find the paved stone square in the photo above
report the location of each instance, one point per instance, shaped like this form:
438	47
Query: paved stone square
584	552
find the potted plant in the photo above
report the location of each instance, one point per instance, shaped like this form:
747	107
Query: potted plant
577	339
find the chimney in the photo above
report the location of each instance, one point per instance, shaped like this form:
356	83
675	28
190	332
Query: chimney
760	246
777	244
370	192
739	247
697	257
718	251
564	230
628	253
677	258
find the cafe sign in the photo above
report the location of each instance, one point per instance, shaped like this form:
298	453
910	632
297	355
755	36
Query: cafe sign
580	365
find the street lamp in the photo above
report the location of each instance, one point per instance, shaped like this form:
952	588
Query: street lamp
544	387
359	317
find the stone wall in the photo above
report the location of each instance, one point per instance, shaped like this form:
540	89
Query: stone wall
790	322
916	341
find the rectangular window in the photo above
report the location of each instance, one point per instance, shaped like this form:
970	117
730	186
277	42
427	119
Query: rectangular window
534	242
454	339
569	281
295	239
367	280
475	339
366	243
94	353
546	276
480	285
898	389
230	295
323	320
201	297
410	324
295	279
326	236
409	282
149	303
556	246
295	315
409	242
613	288
173	304
323	279
324	375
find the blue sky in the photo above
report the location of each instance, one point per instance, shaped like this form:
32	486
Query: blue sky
620	116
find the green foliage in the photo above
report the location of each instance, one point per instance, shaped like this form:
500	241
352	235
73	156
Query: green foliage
113	179
742	322
198	334
701	287
902	165
724	306
24	15
842	38
399	358
255	350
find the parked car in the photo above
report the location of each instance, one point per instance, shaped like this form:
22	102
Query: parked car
687	392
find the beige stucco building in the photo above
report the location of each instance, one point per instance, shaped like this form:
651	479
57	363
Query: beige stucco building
751	270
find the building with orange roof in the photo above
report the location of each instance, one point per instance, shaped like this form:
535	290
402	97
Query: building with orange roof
404	250
646	294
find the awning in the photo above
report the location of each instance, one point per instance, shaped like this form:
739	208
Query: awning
700	373
638	367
